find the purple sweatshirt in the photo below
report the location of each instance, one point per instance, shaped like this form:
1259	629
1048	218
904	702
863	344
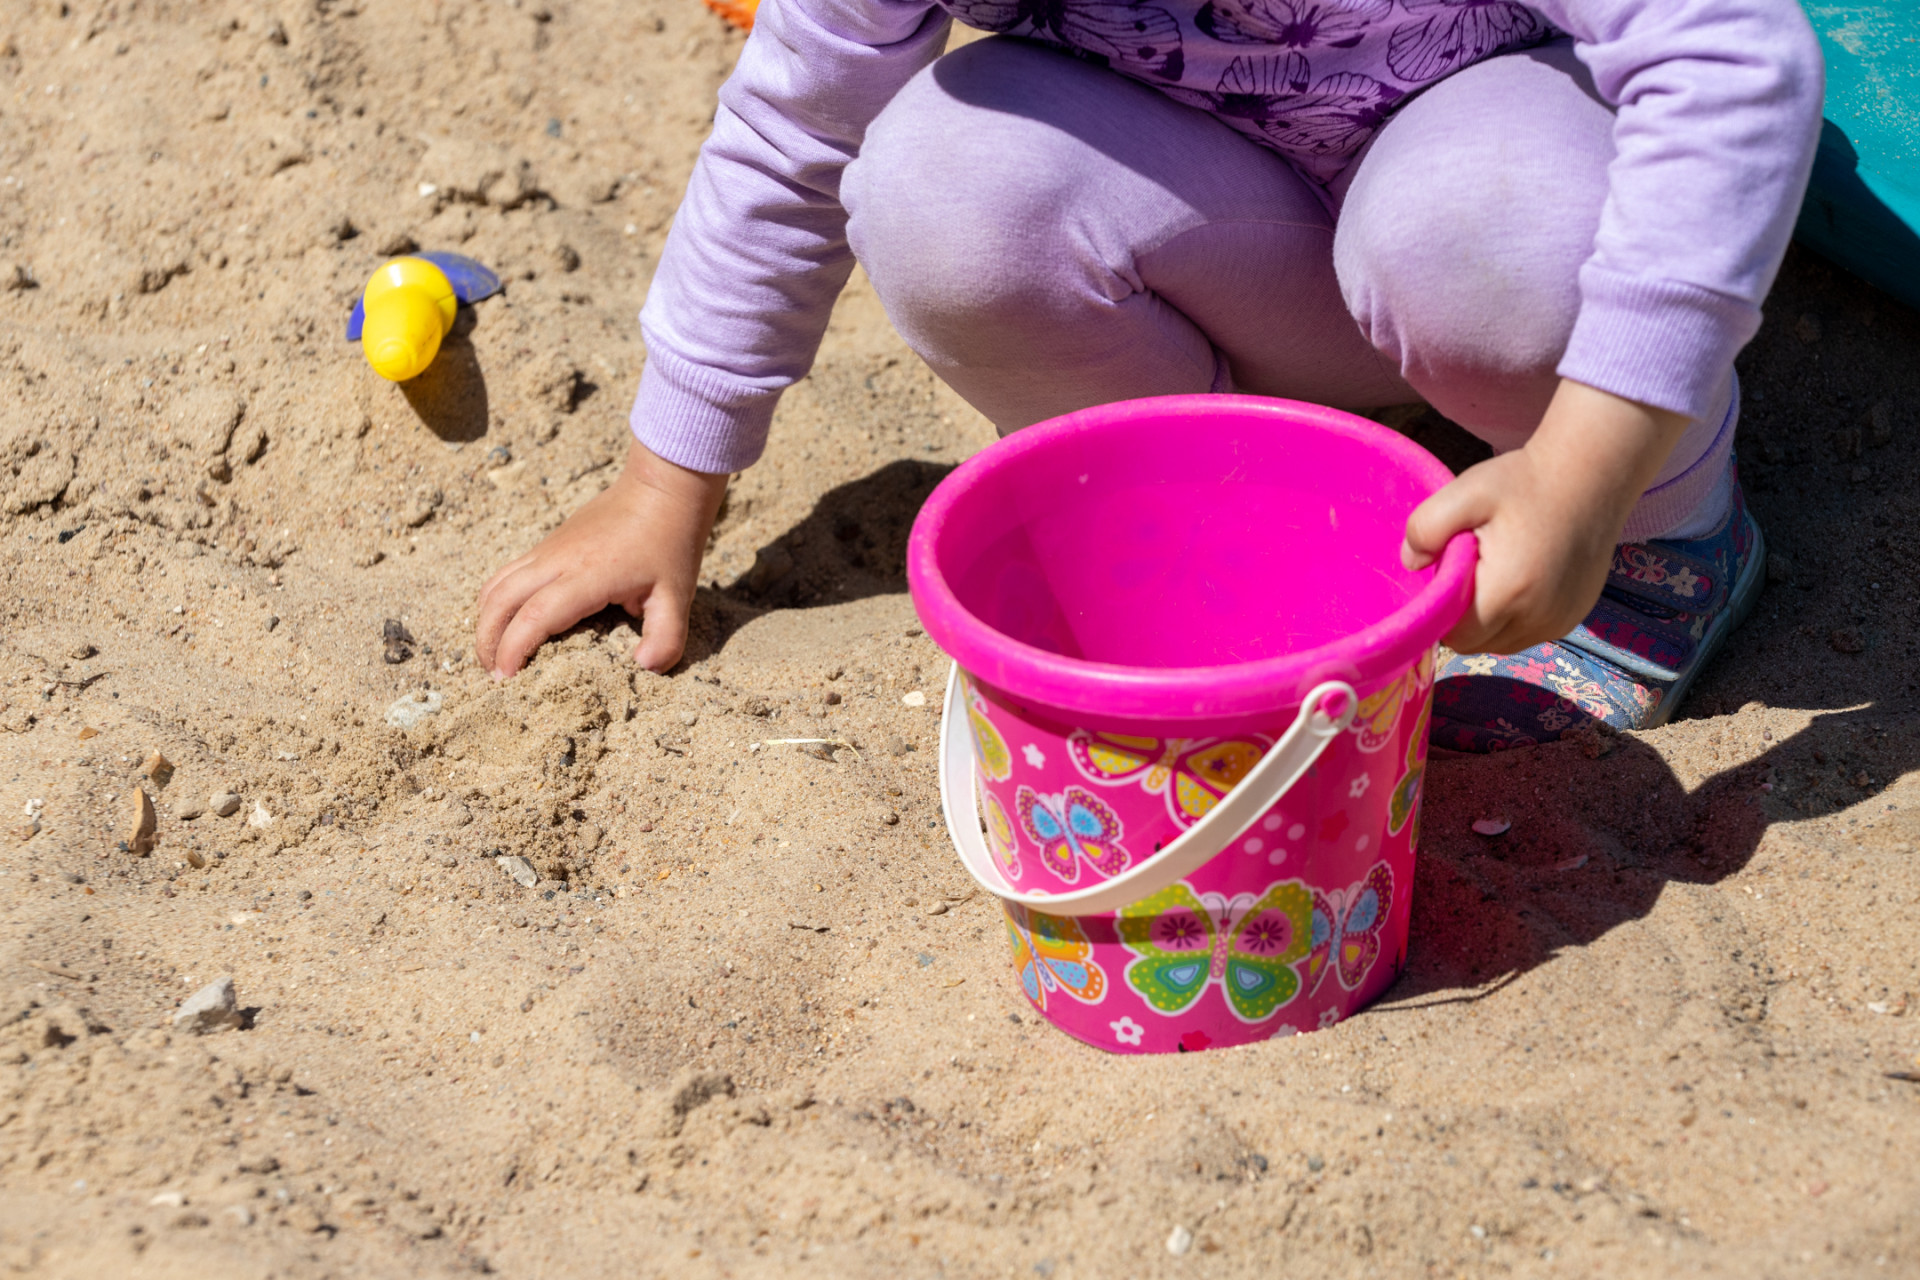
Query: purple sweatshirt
1718	110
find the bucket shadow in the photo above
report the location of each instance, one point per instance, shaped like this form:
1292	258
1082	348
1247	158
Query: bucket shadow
450	398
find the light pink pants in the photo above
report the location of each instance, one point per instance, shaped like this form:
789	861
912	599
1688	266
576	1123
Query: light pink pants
1049	235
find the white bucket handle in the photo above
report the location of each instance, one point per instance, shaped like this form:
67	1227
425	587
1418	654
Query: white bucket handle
1311	732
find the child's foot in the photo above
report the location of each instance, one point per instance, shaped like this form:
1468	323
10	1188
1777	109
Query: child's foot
1667	607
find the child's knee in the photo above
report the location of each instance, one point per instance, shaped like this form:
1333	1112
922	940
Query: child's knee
958	231
1472	302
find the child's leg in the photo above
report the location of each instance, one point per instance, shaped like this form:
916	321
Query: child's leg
1049	235
1461	235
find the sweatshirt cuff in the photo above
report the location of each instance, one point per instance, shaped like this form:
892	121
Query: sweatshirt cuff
1659	342
700	418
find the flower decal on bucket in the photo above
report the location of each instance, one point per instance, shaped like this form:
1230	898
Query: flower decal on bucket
1071	825
1192	773
1185	941
1346	928
1052	956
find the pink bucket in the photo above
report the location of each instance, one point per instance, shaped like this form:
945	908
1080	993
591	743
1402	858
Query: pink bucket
1187	723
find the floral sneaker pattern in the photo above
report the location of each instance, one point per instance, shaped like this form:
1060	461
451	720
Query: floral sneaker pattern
1666	608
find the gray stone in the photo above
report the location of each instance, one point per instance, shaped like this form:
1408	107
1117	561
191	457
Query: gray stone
210	1008
224	804
412	711
520	869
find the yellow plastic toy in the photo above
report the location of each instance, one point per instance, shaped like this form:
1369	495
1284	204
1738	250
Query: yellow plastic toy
409	307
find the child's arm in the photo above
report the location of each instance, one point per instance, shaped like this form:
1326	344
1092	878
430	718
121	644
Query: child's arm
756	257
1718	112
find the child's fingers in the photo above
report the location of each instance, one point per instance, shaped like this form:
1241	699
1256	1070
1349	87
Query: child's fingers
1467	503
501	574
663	629
500	600
553	608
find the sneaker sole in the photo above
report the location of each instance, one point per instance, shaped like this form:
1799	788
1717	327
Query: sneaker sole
1746	592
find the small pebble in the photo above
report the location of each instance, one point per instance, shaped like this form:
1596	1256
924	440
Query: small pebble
142	824
259	817
411	711
1179	1240
210	1008
914	698
938	909
224	804
520	869
396	640
168	1200
157	767
1492	826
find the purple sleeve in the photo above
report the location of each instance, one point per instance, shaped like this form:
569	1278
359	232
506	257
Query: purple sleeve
758	250
1718	115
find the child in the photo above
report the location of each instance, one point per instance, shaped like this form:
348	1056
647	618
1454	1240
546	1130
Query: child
1554	222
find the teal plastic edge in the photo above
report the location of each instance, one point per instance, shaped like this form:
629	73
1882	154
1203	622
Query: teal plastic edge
1862	209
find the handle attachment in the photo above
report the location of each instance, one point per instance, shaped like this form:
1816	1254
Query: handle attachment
1283	765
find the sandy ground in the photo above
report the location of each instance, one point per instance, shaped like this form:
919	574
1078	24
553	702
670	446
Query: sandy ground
748	1021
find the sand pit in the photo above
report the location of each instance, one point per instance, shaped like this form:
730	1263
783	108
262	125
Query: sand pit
736	1012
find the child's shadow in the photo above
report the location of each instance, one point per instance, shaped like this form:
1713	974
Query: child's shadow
852	545
1597	838
1828	450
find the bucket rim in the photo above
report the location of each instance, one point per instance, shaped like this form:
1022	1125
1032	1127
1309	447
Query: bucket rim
1081	687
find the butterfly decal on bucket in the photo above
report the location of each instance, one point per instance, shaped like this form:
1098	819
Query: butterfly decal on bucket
1404	808
1346	928
1185	941
998	829
1052	955
1374	722
989	748
1191	773
1071	825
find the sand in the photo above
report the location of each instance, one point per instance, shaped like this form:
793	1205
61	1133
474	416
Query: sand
748	1020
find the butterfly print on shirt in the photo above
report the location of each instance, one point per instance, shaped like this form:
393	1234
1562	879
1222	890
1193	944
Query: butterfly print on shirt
1139	39
1339	114
1454	34
1288	24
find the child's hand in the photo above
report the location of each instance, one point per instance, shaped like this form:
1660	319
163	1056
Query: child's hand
636	545
1547	515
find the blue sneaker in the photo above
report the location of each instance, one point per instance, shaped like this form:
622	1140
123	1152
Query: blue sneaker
1666	609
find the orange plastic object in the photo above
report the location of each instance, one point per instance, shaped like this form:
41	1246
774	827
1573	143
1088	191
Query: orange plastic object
738	12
